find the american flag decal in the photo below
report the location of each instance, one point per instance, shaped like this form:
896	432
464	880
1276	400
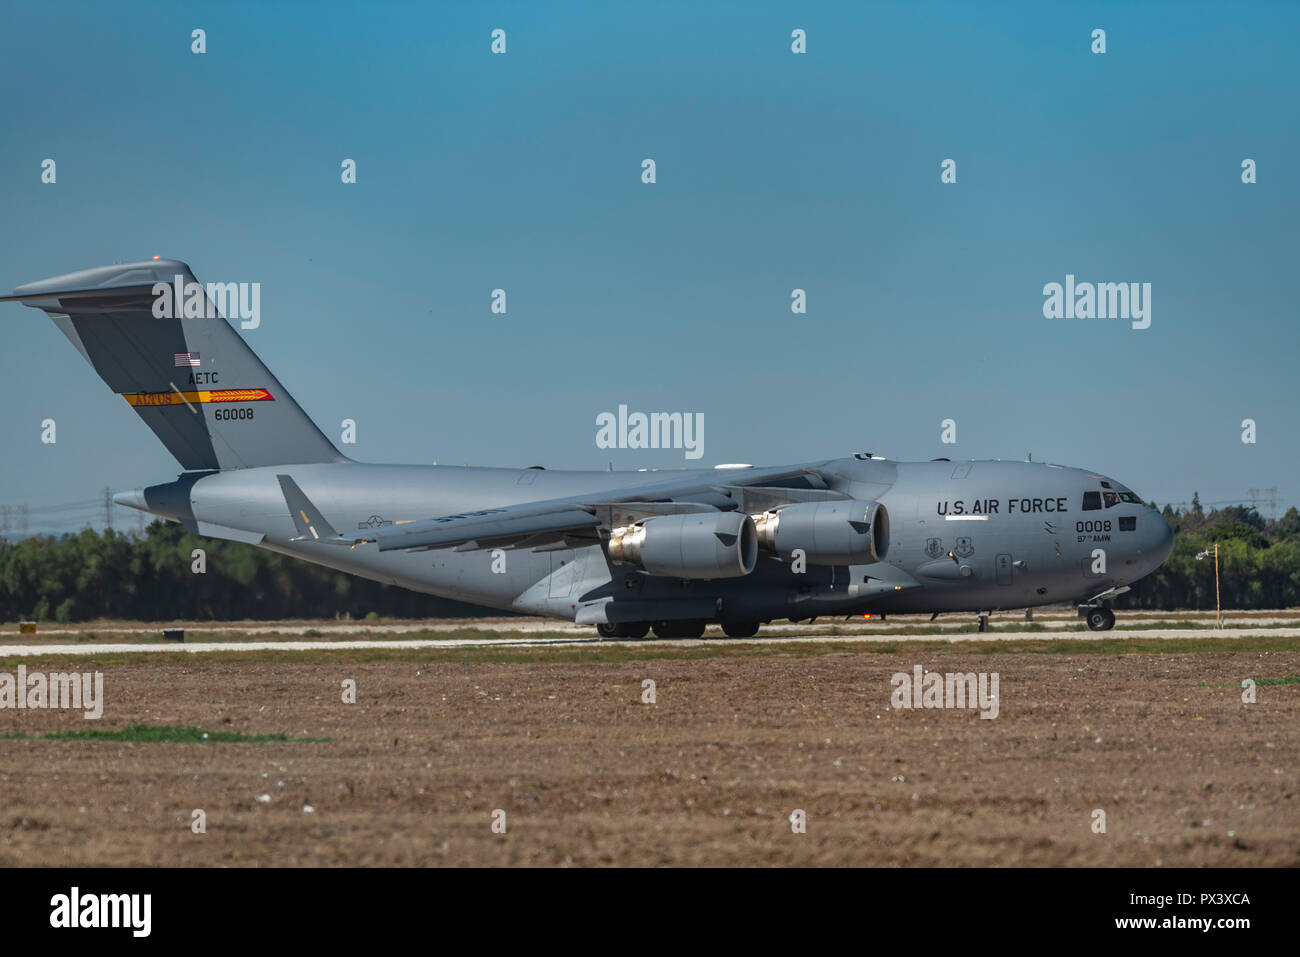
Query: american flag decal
187	360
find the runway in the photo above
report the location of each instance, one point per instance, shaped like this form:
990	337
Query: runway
96	649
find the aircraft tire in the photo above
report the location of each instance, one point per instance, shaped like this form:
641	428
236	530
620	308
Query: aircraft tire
623	629
740	629
1101	619
680	629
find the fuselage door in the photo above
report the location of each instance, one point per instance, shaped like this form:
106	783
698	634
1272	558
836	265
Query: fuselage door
1004	569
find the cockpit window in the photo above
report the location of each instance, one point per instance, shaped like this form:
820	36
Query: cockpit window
1115	498
1091	501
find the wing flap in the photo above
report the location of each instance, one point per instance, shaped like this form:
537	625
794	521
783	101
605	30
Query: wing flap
534	524
491	530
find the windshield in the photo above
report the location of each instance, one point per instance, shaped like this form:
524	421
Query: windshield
1115	498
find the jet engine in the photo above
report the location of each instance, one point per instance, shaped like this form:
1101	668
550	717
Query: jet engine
697	545
828	533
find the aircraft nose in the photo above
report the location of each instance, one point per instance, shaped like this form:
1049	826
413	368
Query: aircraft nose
1163	542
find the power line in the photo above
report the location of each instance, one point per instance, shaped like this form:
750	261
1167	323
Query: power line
1268	495
55	519
68	507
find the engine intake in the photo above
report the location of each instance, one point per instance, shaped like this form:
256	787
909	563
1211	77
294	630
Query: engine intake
697	545
829	533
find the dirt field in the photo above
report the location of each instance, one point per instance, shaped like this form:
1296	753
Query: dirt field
589	775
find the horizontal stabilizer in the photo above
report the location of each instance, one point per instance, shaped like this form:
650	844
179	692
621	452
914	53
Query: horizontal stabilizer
74	299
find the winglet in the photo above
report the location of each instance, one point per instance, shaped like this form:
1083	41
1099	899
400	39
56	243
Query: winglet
307	519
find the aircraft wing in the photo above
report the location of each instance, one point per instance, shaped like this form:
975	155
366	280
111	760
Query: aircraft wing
577	519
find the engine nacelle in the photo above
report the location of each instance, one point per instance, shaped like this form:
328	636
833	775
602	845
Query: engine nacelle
697	545
829	533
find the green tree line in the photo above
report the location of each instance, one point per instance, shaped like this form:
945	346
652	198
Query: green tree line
1259	561
110	575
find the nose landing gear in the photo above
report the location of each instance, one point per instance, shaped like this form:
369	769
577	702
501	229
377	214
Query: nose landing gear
1099	617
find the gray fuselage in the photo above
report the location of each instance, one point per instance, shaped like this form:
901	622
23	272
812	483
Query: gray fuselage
963	536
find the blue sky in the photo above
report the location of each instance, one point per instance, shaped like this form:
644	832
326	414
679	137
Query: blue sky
775	171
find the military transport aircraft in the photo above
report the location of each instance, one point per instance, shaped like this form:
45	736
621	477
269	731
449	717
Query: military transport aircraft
623	551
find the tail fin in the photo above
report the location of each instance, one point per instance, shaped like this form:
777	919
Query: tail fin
192	379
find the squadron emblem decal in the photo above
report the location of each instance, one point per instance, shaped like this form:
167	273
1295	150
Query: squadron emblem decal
201	397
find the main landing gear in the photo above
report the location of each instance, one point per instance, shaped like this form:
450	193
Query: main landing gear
691	628
1099	617
623	629
663	629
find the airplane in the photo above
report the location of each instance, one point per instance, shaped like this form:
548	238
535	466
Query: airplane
627	552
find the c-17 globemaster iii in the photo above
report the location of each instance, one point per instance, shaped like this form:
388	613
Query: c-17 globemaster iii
623	551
